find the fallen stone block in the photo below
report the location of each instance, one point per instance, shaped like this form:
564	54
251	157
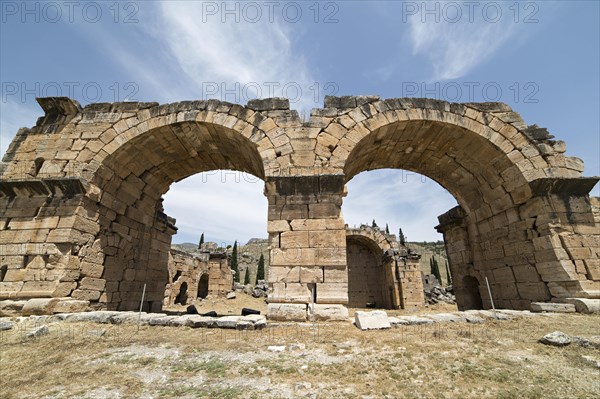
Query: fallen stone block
228	321
100	316
39	306
197	321
556	338
180	321
445	318
376	320
231	295
160	320
286	312
552	307
258	322
583	305
11	308
71	306
330	313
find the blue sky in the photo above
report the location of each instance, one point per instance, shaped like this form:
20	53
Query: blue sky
542	58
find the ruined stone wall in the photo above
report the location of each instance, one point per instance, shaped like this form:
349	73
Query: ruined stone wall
190	269
80	194
382	272
366	277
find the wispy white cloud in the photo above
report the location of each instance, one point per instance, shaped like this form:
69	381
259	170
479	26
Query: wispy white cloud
399	198
224	205
454	49
251	59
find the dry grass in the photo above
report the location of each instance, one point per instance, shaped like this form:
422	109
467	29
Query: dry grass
500	359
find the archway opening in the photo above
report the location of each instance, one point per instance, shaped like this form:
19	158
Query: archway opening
471	294
136	229
182	296
221	232
203	286
402	208
366	276
479	175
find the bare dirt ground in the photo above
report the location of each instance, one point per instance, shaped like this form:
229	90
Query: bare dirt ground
497	359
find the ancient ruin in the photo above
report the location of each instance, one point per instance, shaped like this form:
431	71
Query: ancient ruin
194	276
81	215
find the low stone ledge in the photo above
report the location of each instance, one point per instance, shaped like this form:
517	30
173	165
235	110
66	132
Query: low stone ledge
250	322
582	305
552	307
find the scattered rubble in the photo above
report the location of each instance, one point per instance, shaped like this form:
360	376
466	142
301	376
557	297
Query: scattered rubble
437	294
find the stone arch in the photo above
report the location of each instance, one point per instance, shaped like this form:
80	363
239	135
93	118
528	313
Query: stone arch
203	284
129	180
491	162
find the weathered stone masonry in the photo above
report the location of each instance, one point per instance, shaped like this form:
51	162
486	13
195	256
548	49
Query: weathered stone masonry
80	195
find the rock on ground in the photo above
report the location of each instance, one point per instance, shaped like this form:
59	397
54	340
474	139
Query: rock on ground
376	320
38	332
556	338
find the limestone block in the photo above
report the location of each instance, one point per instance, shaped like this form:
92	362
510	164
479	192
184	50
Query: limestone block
552	307
311	274
327	238
284	274
329	312
71	306
91	269
323	211
533	291
332	293
39	306
11	308
86	295
335	275
293	239
376	320
286	312
90	283
582	305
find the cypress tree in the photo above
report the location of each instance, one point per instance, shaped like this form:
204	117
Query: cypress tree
247	277
260	271
401	237
234	263
201	241
449	276
435	270
387	229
